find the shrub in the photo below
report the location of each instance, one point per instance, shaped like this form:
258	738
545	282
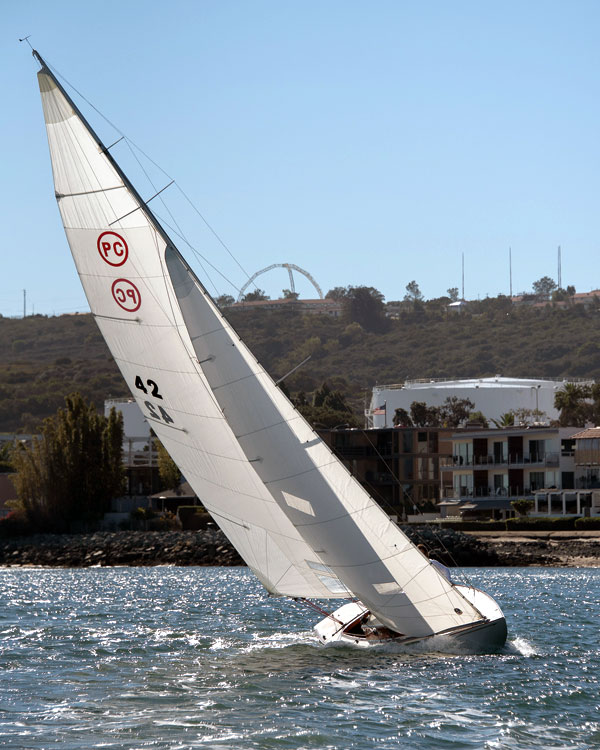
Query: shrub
587	523
540	524
193	517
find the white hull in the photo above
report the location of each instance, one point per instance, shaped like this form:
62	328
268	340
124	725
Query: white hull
345	625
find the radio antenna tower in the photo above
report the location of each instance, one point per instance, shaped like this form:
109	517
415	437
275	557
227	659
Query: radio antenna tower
510	268
559	270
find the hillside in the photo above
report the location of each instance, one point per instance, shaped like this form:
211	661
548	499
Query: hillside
45	358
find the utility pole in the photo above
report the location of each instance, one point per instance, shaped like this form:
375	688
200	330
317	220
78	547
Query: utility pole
24	303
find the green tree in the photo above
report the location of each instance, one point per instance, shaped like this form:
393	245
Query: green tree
522	506
224	300
544	287
334	400
402	418
454	411
168	471
571	403
337	293
453	293
258	295
288	294
364	305
479	416
74	469
6	464
413	293
526	417
505	420
425	416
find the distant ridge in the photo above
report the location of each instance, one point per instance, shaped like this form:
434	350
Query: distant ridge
45	358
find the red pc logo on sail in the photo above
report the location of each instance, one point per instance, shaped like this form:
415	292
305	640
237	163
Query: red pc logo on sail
112	248
126	294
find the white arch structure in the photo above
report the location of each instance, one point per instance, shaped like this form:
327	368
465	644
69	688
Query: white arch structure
290	267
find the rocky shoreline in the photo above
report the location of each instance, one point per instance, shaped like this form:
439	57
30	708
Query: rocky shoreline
210	547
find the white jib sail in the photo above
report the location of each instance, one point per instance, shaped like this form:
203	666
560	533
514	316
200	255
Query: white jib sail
119	253
331	510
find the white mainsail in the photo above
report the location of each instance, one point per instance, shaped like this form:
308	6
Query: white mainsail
295	514
119	253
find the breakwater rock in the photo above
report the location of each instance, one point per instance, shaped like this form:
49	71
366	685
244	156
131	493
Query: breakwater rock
206	547
210	547
453	547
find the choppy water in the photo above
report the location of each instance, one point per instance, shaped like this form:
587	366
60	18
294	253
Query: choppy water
199	657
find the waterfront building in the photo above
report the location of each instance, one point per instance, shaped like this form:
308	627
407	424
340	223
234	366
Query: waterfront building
491	468
139	455
583	498
402	468
493	396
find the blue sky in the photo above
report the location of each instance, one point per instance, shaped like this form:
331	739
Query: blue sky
369	143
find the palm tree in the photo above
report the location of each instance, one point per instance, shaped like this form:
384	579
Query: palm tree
506	420
570	401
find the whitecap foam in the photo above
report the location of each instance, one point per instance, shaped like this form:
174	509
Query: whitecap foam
521	646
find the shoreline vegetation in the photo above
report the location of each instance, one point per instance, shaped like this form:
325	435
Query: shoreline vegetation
209	547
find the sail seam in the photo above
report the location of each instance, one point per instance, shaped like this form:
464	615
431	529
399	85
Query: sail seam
314	467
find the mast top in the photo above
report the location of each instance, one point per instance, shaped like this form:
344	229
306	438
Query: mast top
39	58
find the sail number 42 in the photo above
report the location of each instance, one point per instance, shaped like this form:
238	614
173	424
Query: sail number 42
156	410
139	383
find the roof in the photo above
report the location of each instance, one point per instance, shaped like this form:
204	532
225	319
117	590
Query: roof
591	432
495	502
184	490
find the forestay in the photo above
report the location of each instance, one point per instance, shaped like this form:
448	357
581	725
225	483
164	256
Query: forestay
119	250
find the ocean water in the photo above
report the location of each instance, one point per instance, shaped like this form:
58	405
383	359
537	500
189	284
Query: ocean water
200	658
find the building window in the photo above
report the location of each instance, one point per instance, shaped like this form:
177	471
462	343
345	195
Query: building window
500	484
537	450
464	454
463	485
568	480
536	480
500	452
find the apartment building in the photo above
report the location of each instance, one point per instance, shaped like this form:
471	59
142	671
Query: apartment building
402	468
501	465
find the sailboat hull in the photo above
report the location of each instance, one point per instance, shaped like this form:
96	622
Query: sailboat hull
353	624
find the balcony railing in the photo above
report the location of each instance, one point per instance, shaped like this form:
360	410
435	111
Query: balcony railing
139	458
466	492
513	459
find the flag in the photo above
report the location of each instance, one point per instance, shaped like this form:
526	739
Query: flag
380	409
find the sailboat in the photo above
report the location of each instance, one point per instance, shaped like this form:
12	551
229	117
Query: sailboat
305	527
